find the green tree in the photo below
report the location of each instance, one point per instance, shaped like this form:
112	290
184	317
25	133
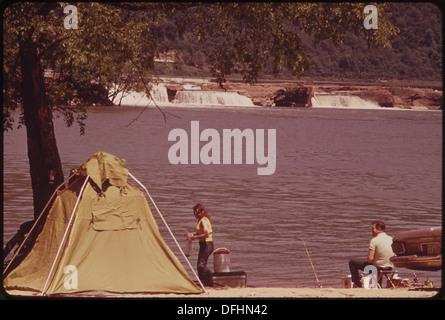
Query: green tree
116	43
108	47
255	35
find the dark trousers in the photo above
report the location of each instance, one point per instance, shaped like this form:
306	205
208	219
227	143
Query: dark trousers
359	264
204	273
354	266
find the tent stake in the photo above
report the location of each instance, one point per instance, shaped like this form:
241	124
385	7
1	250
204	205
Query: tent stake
168	228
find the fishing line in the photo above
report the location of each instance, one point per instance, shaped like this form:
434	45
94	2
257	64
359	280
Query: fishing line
310	260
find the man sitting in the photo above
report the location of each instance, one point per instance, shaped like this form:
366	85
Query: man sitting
380	251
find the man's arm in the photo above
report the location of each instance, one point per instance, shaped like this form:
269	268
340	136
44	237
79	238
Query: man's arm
370	256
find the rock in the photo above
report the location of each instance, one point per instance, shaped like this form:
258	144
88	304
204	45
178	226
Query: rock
382	97
296	97
172	89
409	98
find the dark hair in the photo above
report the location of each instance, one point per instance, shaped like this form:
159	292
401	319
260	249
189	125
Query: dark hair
379	225
200	208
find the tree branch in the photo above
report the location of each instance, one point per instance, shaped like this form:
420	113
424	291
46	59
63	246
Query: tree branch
148	93
52	45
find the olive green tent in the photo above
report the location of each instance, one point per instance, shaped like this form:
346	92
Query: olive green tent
98	235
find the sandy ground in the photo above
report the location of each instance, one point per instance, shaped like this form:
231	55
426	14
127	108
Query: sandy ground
263	292
319	293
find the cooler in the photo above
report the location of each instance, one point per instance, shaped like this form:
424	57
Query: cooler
230	279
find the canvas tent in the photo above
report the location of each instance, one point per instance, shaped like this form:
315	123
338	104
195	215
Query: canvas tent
99	235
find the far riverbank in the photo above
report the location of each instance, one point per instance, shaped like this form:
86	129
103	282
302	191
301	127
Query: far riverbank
263	93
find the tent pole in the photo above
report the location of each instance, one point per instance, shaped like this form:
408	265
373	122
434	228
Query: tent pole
168	228
35	223
65	234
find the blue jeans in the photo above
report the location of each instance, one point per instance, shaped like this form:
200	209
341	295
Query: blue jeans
204	273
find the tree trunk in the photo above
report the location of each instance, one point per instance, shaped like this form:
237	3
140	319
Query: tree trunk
44	160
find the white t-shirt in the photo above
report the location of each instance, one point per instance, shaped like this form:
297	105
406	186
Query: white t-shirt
381	244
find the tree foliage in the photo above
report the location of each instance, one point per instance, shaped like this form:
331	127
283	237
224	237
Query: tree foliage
117	42
255	36
109	47
415	54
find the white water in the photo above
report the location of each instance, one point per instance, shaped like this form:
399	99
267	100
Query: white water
139	99
331	100
211	98
192	95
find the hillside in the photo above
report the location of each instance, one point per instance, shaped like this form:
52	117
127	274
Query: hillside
416	53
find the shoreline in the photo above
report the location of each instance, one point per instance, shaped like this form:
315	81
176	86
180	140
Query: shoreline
266	93
264	292
388	97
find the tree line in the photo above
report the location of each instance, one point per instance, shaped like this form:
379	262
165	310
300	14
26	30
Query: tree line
415	53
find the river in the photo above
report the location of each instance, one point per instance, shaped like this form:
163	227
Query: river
337	170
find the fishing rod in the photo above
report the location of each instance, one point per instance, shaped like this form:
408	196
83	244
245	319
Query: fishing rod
310	260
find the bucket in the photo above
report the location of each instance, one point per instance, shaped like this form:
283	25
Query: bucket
221	260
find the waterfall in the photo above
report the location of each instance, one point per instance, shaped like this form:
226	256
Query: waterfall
139	99
159	93
211	98
332	100
192	95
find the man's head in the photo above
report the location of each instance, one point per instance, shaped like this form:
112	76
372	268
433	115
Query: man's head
377	227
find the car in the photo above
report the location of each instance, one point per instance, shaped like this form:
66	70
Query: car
419	249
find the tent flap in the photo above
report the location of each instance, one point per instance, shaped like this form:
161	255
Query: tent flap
103	166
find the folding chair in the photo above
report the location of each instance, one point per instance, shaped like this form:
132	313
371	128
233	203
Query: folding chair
389	274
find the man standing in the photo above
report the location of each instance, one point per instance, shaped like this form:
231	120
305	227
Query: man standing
380	251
